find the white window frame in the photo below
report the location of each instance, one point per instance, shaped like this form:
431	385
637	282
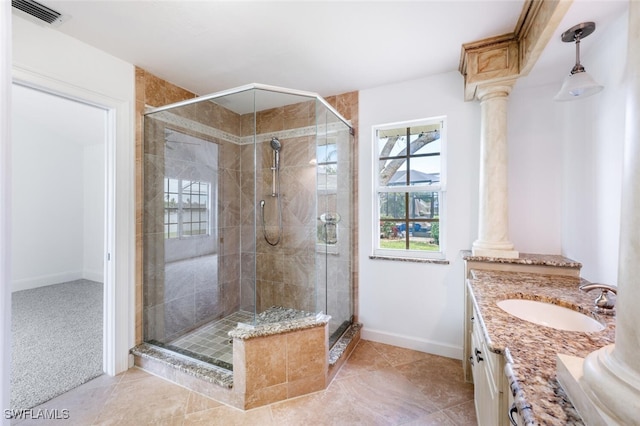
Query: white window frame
439	188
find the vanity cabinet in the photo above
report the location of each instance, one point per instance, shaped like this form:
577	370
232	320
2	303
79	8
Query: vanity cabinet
488	370
491	390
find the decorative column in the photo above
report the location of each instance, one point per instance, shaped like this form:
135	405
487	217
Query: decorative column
490	68
612	374
493	220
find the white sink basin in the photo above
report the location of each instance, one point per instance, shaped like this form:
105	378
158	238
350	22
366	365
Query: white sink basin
550	315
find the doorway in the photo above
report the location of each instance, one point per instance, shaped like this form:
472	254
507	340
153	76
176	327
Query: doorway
58	243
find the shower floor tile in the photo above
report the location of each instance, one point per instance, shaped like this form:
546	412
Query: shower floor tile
211	341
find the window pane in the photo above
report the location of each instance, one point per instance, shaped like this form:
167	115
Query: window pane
171	197
425	171
171	185
173	230
393	172
326	153
429	148
392	205
423	205
392	143
422	237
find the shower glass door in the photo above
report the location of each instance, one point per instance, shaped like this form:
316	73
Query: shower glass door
334	214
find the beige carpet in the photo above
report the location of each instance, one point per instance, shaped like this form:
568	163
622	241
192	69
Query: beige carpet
56	340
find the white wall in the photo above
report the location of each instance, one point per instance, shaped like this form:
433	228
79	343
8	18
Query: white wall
535	170
47	194
57	189
417	305
592	143
565	161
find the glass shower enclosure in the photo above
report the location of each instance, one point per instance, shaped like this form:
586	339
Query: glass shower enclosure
247	217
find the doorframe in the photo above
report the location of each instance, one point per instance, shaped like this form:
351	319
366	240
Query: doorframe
5	201
119	266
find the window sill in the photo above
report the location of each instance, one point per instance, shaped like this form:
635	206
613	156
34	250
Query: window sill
410	259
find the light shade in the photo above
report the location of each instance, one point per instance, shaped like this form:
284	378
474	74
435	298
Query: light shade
577	86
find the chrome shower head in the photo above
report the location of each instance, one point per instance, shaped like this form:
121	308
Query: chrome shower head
275	144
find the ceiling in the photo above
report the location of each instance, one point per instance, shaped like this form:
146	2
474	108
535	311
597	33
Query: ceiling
327	47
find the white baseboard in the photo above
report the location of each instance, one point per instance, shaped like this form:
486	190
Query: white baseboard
410	342
44	280
97	276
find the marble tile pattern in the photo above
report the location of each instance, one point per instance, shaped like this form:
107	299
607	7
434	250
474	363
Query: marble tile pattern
378	385
530	349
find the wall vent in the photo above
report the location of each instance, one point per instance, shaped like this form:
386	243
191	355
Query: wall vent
38	13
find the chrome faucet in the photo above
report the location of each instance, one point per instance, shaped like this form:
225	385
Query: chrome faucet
603	304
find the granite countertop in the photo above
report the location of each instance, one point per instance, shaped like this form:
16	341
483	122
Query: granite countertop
530	349
278	320
527	259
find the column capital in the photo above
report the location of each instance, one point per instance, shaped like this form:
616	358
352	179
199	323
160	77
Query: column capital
496	89
488	61
509	56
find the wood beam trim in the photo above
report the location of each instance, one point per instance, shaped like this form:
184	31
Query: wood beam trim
537	29
511	55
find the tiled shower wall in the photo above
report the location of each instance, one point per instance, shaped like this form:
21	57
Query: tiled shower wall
285	274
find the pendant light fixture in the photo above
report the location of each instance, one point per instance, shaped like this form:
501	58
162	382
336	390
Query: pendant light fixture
578	84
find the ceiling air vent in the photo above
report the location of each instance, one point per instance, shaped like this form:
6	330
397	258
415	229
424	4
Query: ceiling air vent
38	13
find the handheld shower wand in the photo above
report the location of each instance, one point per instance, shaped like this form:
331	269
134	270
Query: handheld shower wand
275	145
275	191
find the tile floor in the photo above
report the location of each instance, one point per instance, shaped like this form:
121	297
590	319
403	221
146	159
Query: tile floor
378	385
212	340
